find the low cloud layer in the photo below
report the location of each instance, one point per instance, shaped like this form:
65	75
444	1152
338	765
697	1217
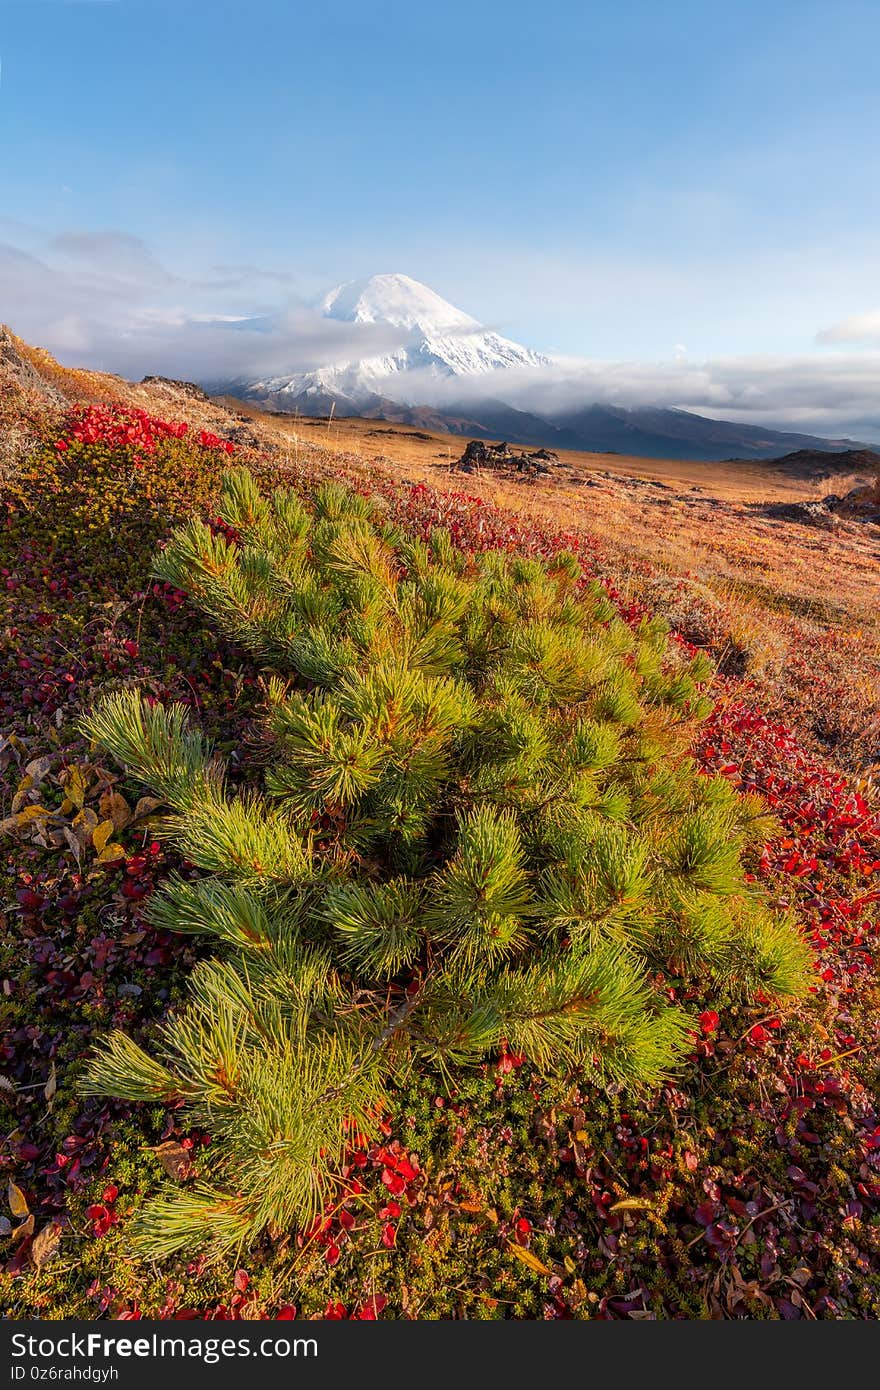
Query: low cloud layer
835	394
103	300
831	394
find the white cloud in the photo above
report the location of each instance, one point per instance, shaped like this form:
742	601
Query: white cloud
860	328
102	300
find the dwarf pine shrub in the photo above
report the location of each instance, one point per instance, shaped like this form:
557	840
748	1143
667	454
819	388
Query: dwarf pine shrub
477	827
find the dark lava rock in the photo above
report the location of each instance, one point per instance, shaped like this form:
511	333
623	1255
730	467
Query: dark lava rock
813	513
862	503
182	388
480	455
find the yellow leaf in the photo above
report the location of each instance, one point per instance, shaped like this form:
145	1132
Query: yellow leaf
175	1159
17	1200
45	1245
75	786
51	1086
12	741
528	1258
24	1230
23	819
632	1204
79	833
146	806
114	807
21	792
101	834
110	853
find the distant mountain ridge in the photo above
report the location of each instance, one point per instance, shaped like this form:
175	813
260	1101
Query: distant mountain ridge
657	432
440	345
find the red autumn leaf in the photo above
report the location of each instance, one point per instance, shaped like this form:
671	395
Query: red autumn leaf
393	1181
706	1212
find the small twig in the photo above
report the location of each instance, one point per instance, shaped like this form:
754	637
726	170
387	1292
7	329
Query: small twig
829	1061
765	1212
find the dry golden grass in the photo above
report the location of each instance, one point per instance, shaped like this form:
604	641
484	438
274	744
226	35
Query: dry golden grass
702	520
381	441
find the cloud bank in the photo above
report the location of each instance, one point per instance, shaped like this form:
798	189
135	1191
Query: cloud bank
832	394
102	300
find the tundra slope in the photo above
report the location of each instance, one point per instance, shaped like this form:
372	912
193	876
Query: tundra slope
752	1193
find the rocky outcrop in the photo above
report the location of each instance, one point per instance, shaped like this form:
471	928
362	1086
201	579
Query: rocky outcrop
19	375
819	512
176	388
861	503
479	456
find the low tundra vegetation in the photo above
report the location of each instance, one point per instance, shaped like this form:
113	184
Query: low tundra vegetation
431	937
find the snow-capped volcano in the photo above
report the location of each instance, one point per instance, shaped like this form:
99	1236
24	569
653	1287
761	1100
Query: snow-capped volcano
433	341
398	300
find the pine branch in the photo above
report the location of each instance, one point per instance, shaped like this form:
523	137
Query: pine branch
474	775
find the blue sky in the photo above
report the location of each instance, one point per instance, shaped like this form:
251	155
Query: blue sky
640	181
